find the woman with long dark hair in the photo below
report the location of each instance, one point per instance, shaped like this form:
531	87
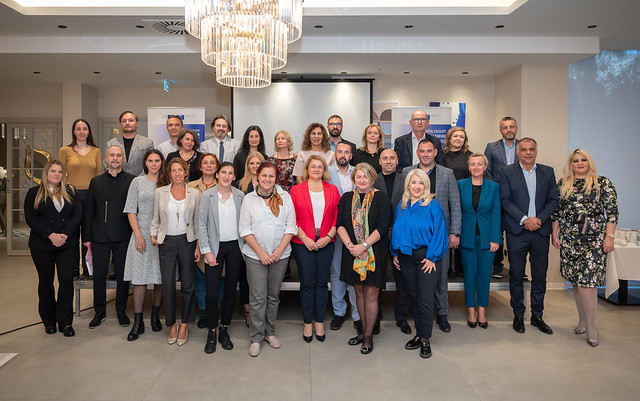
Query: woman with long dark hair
53	213
252	141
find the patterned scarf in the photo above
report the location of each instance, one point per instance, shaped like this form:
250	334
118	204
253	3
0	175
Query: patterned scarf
275	201
359	214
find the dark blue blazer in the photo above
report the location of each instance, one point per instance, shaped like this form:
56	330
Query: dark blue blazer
404	150
487	216
497	158
515	197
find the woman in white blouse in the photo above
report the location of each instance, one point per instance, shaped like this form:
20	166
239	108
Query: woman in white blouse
220	244
174	230
267	223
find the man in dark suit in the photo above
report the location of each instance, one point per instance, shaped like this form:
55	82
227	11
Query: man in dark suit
529	196
334	126
445	188
106	231
499	154
406	146
392	183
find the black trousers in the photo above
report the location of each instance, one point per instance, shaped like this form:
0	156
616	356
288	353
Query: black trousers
401	308
176	250
314	268
422	288
64	261
102	252
229	256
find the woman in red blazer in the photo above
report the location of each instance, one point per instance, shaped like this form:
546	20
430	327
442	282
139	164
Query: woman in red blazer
316	205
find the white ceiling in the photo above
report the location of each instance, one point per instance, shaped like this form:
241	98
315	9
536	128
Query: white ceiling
538	31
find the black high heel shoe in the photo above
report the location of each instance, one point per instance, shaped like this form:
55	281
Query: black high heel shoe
307	339
483	325
472	324
321	338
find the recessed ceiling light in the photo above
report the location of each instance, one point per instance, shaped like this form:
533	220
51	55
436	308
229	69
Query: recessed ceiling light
465	72
158	73
405	72
140	26
96	72
63	26
343	72
408	26
37	72
591	26
499	26
283	72
318	26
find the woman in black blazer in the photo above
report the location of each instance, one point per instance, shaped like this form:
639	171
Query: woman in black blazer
53	214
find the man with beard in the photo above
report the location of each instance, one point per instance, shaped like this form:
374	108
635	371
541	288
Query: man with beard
106	232
174	128
334	125
134	145
221	145
341	178
500	154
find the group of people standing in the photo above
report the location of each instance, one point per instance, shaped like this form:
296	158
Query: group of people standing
222	213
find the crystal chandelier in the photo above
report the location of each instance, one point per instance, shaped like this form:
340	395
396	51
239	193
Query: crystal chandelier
244	39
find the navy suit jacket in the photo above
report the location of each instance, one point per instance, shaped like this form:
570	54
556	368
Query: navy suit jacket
515	197
497	158
404	150
487	216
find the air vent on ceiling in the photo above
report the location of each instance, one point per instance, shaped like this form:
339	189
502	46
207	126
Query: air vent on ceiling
170	27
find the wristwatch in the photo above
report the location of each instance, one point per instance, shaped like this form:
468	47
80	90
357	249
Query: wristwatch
611	235
366	246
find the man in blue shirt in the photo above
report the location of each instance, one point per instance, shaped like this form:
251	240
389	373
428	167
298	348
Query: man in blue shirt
334	126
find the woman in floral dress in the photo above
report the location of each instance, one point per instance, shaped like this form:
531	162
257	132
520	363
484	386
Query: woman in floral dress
284	159
583	229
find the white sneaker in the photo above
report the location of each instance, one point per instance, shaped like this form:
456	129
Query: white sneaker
273	341
254	349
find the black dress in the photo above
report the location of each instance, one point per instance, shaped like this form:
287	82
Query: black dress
378	218
458	162
192	163
373	159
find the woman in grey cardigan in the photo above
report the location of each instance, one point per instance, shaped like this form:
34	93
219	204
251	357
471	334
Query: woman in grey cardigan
220	246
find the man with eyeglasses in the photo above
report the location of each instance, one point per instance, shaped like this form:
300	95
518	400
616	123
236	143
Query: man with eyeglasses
406	146
334	126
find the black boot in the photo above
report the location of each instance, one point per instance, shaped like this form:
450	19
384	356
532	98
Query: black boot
138	327
155	319
210	346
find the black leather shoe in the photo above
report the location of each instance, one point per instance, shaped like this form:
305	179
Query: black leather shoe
443	323
518	325
307	339
97	319
210	345
414	343
425	350
357	324
366	350
404	326
137	328
321	338
123	319
357	340
541	325
376	328
336	322
68	331
50	329
224	339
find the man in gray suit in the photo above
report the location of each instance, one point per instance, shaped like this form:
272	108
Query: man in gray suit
341	178
445	188
134	145
392	183
500	154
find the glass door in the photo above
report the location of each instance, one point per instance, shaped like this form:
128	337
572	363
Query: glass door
29	147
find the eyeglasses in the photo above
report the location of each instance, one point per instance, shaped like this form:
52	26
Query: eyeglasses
334	124
420	120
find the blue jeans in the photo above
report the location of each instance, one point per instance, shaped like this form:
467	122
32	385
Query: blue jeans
339	288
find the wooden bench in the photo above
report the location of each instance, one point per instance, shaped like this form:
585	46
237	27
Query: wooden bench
295	286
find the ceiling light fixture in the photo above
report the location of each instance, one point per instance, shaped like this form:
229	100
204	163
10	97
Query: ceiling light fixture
63	26
465	73
499	26
591	26
244	39
140	26
408	26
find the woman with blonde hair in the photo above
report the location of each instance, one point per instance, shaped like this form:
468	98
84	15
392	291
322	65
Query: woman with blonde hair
363	225
584	226
53	213
249	181
284	159
372	146
314	142
418	240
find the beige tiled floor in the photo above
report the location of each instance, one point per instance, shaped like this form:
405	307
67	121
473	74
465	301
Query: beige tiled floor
493	364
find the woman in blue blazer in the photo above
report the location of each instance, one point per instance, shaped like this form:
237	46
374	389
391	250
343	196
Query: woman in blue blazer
480	237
